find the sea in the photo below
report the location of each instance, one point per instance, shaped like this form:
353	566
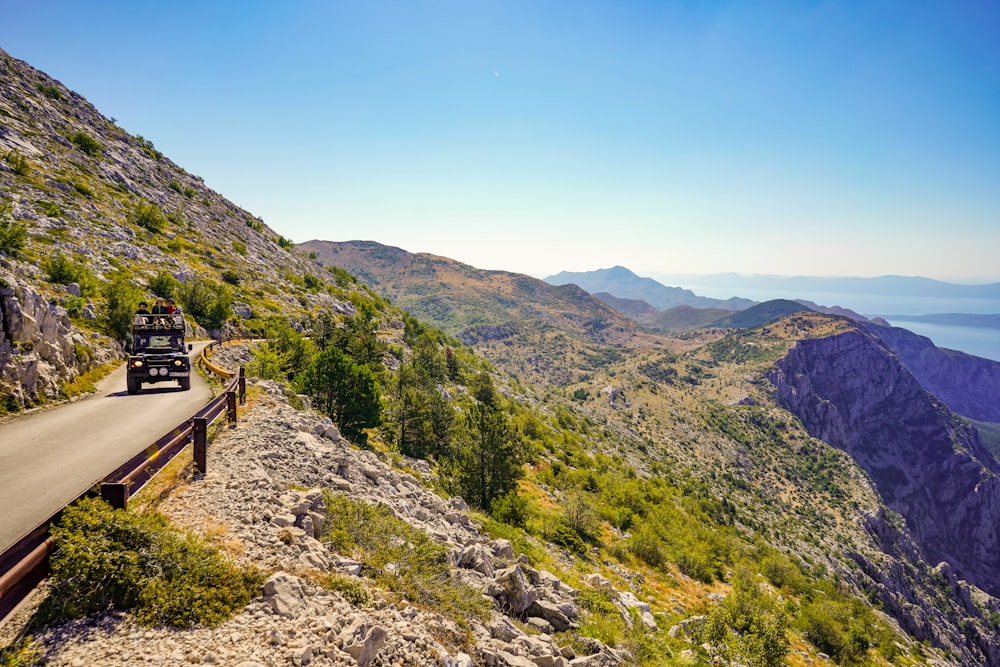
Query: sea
981	342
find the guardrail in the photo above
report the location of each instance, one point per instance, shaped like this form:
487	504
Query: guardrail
24	564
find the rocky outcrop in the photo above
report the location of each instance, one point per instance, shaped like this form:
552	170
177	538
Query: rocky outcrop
928	465
39	347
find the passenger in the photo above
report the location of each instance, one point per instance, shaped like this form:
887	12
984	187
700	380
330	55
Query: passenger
143	308
159	308
172	307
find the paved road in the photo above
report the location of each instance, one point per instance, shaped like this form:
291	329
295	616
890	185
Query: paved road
50	457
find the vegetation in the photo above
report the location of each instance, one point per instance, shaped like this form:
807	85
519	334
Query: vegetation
149	216
400	558
111	559
210	303
13	235
121	296
86	143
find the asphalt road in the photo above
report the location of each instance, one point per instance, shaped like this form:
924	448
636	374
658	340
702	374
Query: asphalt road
50	457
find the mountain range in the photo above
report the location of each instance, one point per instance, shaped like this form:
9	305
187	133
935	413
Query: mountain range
779	472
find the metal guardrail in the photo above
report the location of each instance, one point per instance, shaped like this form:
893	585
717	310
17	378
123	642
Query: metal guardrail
24	564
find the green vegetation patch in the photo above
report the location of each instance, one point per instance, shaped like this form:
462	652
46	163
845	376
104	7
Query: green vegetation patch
112	559
400	558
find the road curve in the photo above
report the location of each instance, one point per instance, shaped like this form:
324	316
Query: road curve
50	457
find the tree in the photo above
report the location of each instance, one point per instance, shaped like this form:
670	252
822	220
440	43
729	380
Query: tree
490	453
346	391
208	302
120	298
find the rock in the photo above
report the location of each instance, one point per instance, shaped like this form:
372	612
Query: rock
517	592
362	641
285	594
550	613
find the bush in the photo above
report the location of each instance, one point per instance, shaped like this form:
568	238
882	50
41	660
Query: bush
149	216
208	302
511	509
86	143
231	277
13	235
18	163
111	559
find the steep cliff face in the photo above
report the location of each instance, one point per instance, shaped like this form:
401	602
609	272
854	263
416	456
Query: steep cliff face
852	392
967	384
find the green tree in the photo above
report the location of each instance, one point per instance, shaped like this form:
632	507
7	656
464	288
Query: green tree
208	302
164	285
490	453
346	391
121	296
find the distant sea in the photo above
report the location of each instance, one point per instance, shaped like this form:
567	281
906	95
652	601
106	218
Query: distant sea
973	340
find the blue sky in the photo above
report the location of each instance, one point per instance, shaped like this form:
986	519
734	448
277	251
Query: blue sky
791	138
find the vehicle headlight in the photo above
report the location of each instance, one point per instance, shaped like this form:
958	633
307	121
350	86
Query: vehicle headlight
137	363
178	362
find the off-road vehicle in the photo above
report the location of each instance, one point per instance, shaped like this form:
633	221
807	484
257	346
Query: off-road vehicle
158	352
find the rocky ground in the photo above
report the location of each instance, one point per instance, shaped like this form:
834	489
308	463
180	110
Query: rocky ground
262	500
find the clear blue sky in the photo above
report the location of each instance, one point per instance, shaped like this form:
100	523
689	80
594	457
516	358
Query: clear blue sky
800	137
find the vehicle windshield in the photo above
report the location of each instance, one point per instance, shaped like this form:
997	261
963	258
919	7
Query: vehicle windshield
159	343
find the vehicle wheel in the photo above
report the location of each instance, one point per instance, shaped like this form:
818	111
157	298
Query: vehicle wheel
133	385
185	383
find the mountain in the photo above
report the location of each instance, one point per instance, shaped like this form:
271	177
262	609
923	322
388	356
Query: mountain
884	285
530	323
762	313
713	497
622	283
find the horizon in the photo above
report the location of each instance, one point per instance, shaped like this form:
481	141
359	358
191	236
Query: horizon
796	140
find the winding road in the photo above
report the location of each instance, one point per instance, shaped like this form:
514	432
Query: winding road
49	457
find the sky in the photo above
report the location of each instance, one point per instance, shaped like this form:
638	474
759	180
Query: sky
787	138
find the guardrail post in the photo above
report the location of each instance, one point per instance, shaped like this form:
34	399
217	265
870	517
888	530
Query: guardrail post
242	386
115	495
231	408
199	433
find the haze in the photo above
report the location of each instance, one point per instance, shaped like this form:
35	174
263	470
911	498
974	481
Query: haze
784	138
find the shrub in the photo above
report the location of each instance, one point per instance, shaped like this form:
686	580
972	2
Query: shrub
149	216
285	243
18	163
510	508
111	559
208	302
350	588
148	148
86	143
231	277
62	270
240	247
13	235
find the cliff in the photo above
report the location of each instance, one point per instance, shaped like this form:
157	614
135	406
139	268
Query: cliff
852	392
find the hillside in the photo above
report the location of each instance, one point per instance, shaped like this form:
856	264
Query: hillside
520	476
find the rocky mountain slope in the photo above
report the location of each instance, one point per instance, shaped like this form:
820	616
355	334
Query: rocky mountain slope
108	204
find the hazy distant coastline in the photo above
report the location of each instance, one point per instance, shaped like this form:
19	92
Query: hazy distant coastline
990	321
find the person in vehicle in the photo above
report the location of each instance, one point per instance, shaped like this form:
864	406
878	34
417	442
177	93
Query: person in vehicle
143	308
159	308
172	307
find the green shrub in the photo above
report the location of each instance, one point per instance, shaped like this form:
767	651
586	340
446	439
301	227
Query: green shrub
287	244
63	270
510	508
51	92
149	216
18	163
13	235
231	277
111	559
350	588
148	148
240	247
86	143
121	296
